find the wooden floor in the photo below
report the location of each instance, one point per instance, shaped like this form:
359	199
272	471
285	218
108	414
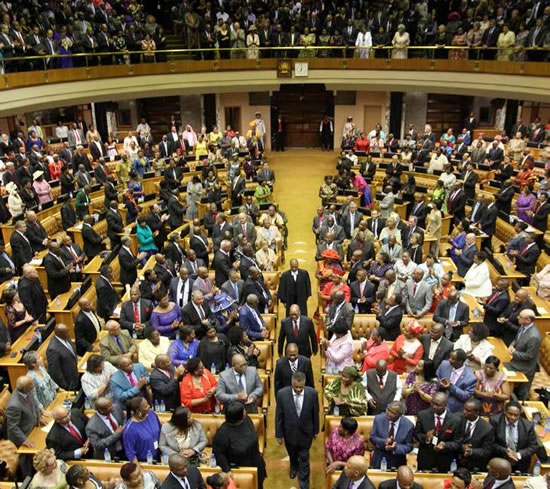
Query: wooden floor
299	174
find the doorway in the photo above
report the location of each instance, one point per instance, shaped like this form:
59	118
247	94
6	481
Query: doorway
302	108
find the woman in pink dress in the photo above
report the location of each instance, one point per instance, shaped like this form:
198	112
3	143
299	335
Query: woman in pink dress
339	351
525	203
374	349
343	442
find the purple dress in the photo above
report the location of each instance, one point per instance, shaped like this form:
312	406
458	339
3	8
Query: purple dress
525	203
179	353
414	402
162	321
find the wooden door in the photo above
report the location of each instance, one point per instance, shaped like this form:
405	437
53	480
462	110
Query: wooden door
372	116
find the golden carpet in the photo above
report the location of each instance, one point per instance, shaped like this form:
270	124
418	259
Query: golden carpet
299	174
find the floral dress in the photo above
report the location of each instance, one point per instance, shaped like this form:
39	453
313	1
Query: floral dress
341	449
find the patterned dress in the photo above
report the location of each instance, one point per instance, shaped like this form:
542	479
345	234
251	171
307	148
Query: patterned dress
356	398
341	449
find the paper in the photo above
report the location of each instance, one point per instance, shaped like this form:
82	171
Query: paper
542	310
36	261
78	226
529	411
546	445
48	427
508	373
116	312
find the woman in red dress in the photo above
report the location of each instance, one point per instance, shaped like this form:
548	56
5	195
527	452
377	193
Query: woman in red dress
198	387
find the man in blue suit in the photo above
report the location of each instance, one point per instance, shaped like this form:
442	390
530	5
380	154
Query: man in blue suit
392	436
457	379
131	380
251	320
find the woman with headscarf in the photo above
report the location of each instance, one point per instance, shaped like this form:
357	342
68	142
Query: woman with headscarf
42	187
347	392
407	350
15	202
190	136
477	278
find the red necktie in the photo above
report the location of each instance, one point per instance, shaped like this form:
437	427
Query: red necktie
136	312
490	484
73	254
296	329
494	296
438	424
381	382
524	250
414	289
538	208
392	429
75	433
112	422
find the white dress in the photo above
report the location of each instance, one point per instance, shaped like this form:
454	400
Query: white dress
363	41
400	42
478	280
482	350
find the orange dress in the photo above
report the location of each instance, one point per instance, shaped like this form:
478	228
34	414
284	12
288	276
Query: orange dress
189	391
402	365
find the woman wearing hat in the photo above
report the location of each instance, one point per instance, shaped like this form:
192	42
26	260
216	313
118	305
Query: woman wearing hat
42	187
15	202
347	392
400	42
407	350
329	265
252	41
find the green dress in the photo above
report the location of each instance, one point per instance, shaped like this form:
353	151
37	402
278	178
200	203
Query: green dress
356	398
440	195
262	194
81	203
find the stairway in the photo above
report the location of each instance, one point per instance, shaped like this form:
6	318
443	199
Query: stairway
157	111
176	42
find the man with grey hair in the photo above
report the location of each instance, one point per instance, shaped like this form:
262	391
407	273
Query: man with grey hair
223	263
197	314
250	319
128	261
465	256
67	436
36	233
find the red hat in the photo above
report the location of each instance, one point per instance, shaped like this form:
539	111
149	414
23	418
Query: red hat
330	254
415	328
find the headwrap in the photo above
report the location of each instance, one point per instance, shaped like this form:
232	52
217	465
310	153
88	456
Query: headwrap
351	372
415	328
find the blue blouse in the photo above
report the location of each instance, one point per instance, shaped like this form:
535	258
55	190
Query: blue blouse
179	353
140	437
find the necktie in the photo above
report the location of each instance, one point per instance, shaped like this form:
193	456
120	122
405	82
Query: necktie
511	443
361	289
298	403
119	343
438	425
391	433
414	288
73	254
381	381
294	366
241	383
469	430
201	313
236	290
136	312
493	297
75	433
296	329
524	250
490	484
112	422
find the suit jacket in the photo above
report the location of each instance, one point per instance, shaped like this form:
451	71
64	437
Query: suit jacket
390	320
335	246
122	389
449	433
258	288
107	298
128	267
250	232
525	446
33	297
376	227
36	234
63	442
509	484
165	274
190	317
21	417
504	199
194	479
199	243
166	389
95	151
72	138
403	438
114	225
465	259
481	440
127	318
238	185
422	300
5	265
68	216
470	180
59	279
346	223
306	339
368	295
408	232
110	350
526	357
283	372
461	390
101	173
392	484
249	323
176	212
297	431
228	288
338	231
174	289
62	364
102	436
527	260
540	216
164	149
477	213
85	333
175	255
441	315
110	193
456	203
222	265
93	242
346	313
227	387
442	352
343	482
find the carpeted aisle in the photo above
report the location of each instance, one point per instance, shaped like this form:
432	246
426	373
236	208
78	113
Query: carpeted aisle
299	174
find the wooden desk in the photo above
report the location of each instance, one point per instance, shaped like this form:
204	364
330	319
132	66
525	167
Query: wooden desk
448	266
473	305
92	268
501	352
149	264
12	363
38	435
510	271
76	233
42	275
57	308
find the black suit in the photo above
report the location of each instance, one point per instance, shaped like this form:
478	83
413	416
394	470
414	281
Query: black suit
62	364
107	298
198	242
470	180
449	433
194	479
368	293
297	432
408	232
442	352
68	216
21	250
488	220
127	317
258	288
65	253
526	260
462	316
175	254
164	149
489	481
346	223
165	389
481	440
97	152
190	317
237	189
497	302
456	203
6	272
222	265
59	279
93	242
504	199
306	339
33	297
165	273
283	372
110	193
101	173
155	223
85	333
114	227
390	323
295	291
392	484
343	482
526	443
176	212
128	267
376	226
540	216
36	234
63	442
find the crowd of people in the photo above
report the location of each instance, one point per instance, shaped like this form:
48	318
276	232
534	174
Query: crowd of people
518	31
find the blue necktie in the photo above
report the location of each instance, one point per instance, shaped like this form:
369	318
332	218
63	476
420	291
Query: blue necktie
119	343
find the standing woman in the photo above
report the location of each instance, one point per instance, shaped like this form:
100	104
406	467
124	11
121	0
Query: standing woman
364	40
236	442
145	238
252	42
224	41
525	204
198	388
213	349
326	130
433	226
505	43
141	431
17	316
194	194
400	42
45	389
15	202
459	39
166	316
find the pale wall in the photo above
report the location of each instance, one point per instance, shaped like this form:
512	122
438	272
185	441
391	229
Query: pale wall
357	111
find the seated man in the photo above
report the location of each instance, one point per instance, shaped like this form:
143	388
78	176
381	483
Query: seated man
354	474
67	437
117	344
453	314
404	480
131	380
457	379
419	295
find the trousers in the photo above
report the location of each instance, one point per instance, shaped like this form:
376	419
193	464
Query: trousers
299	461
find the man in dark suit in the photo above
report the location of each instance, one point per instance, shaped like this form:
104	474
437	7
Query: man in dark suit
182	475
331	227
86	328
238	185
157	222
97	151
222	263
67	436
515	437
59	274
173	251
541	211
411	228
21	248
198	242
392	436
354	471
290	363
391	314
488	220
197	314
329	243
297	424
35	232
164	270
404	480
104	429
457	201
505	196
465	257
72	254
350	219
470	179
93	242
181	287
362	292
100	172
499	470
453	314
128	262
175	210
7	265
382	387
526	258
107	296
115	225
32	294
495	305
340	310
68	215
62	359
298	329
436	346
135	314
478	208
164	382
495	155
375	224
254	284
438	434
478	437
164	148
110	191
489	39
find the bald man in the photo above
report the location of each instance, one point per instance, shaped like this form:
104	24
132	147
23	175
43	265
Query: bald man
354	474
68	436
32	293
499	472
62	359
294	287
509	321
58	273
86	327
404	480
23	413
104	430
